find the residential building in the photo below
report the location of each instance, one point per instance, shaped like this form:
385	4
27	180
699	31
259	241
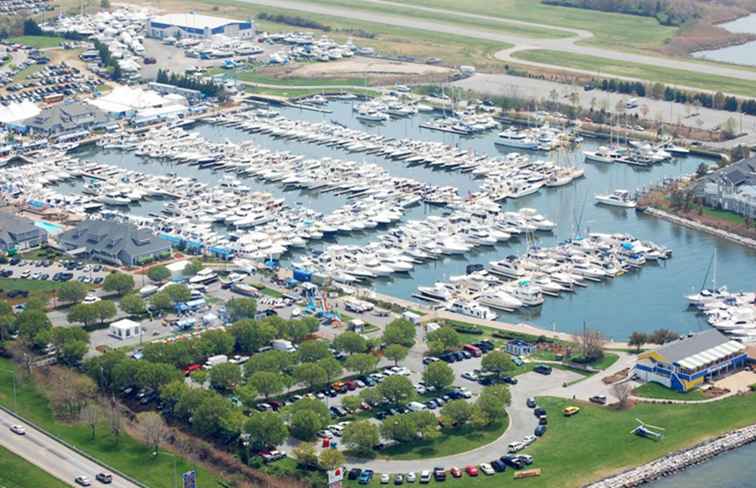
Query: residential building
731	188
686	363
18	233
191	25
114	243
518	347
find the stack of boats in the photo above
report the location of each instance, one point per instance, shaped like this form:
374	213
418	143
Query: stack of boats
730	312
515	282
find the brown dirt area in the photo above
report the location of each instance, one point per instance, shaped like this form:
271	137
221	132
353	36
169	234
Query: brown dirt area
378	71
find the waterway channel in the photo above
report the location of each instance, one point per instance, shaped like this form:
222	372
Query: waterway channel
651	298
741	54
735	469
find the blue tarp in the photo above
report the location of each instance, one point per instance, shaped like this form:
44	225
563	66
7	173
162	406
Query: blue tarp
302	275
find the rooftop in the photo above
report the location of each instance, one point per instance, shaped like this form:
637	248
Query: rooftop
196	21
699	349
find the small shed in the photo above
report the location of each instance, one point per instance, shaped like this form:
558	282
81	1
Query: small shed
518	347
124	329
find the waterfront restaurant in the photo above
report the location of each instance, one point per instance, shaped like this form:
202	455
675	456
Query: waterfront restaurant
685	364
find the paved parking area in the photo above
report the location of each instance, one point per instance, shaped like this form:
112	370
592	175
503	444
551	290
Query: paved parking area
737	382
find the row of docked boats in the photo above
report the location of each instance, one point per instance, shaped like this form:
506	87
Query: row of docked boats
516	282
636	153
733	313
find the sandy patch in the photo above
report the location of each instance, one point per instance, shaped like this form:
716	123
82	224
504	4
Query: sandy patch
741	381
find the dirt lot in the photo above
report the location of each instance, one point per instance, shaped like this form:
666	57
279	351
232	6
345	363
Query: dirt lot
378	71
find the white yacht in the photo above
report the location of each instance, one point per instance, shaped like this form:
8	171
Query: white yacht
516	139
499	300
471	309
620	198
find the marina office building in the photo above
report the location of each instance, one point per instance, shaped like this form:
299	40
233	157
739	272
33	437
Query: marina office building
196	26
686	363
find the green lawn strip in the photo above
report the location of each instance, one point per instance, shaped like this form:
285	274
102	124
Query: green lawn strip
654	73
253	77
724	215
39	42
655	390
605	362
451	441
17	472
28	285
126	455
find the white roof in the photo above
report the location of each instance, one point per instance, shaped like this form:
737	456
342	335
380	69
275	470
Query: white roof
711	355
127	99
196	21
124	324
177	266
18	111
161	111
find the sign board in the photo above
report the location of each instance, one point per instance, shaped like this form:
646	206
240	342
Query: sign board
335	476
190	479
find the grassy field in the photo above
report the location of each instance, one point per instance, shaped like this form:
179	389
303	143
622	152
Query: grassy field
641	71
253	77
125	454
655	390
16	472
39	42
724	215
300	92
597	441
450	442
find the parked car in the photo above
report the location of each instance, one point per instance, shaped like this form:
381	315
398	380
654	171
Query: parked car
540	430
471	470
531	402
439	474
487	469
398	479
354	473
425	477
600	399
570	411
543	369
455	472
365	477
385	478
411	477
498	466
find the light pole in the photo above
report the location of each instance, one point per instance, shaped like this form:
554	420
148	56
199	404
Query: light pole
13	372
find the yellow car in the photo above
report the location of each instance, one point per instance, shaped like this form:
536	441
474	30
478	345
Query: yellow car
570	411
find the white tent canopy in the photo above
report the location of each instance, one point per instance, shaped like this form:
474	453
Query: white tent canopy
18	111
128	99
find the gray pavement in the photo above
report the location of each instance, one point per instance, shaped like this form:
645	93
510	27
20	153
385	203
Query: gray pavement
50	455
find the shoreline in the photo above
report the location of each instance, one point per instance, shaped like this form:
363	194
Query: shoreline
680	460
692	224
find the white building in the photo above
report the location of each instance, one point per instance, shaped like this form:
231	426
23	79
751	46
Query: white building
198	26
124	329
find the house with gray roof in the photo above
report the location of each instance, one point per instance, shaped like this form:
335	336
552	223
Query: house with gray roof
731	188
18	233
114	243
67	118
686	363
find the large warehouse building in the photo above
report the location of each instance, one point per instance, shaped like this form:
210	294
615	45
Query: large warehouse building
686	363
198	26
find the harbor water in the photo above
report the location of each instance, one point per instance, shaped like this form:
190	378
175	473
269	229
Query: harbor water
647	299
741	54
735	469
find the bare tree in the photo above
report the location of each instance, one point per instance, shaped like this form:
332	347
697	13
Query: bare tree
70	392
153	429
115	420
622	391
89	416
591	344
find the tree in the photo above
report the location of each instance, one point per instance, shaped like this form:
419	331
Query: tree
497	362
351	402
439	375
622	391
72	344
401	428
133	304
310	351
251	335
7	326
447	336
72	292
115	421
84	314
492	401
104	309
361	436
331	367
178	293
31	28
153	429
361	363
241	308
225	377
158	274
637	339
89	417
273	361
305	424
456	413
192	268
400	331
397	389
662	336
305	454
331	459
247	395
396	353
69	392
265	429
161	301
117	282
591	344
311	374
267	382
207	417
426	424
350	342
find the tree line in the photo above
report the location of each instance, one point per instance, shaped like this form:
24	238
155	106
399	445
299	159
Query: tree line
208	88
293	20
667	12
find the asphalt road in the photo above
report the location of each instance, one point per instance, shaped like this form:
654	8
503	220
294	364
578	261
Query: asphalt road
51	456
520	43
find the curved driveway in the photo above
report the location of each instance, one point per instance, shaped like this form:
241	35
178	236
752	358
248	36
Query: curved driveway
520	43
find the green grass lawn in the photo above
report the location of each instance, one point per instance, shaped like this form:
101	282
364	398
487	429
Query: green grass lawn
606	361
731	217
655	390
449	442
16	472
597	441
253	77
39	42
300	92
125	454
641	71
32	286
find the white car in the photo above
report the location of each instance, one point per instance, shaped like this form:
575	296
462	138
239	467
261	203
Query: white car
18	429
385	478
470	375
83	481
90	299
487	469
410	478
515	446
425	476
420	389
529	439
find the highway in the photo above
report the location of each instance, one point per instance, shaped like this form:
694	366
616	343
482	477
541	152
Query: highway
52	456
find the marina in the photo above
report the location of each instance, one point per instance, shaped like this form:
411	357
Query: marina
436	177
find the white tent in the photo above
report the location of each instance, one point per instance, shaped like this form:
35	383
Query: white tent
127	99
18	111
124	329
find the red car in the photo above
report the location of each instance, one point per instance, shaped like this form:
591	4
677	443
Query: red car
471	470
456	472
191	369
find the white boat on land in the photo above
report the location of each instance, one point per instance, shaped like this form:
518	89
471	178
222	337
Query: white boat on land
620	198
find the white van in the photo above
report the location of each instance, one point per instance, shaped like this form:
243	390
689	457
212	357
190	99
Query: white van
416	406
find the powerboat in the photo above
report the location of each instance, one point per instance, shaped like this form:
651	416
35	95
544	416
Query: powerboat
619	198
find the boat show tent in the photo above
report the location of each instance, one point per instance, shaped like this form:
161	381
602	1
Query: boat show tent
16	112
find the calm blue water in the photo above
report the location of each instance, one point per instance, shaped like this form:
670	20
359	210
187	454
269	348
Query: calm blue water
742	54
732	470
645	300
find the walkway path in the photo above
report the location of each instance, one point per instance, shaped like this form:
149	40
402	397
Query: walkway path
520	43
